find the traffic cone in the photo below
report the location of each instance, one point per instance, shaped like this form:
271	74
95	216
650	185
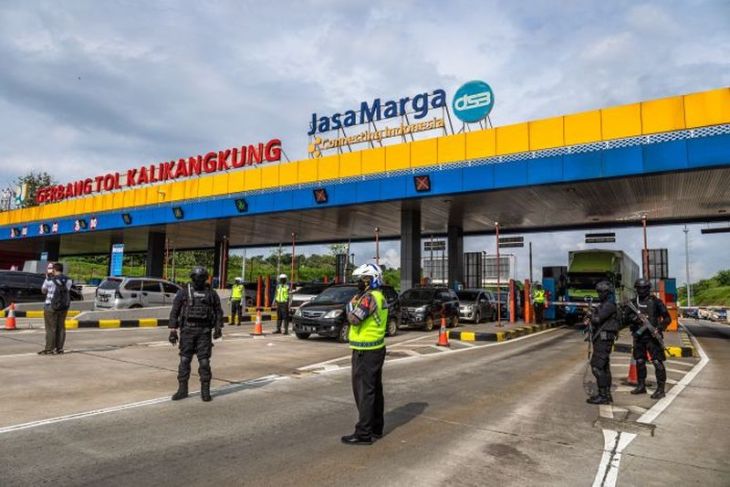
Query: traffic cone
10	320
443	334
257	328
633	378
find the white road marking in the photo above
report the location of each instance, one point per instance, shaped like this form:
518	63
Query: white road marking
677	362
615	442
124	407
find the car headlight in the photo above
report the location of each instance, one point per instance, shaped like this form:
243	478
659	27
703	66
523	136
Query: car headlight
470	308
298	312
421	309
333	314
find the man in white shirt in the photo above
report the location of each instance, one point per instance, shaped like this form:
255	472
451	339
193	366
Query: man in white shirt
55	310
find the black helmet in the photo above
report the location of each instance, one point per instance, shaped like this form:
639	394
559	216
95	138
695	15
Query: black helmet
199	275
642	287
604	289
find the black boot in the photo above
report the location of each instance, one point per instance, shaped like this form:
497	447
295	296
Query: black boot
640	388
182	391
659	393
205	391
603	397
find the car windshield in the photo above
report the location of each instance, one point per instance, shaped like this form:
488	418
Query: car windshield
467	295
336	295
110	284
310	290
419	295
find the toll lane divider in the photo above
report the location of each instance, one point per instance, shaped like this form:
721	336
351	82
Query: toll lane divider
36	313
141	323
502	335
671	351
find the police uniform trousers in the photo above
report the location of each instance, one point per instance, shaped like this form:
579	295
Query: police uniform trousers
235	311
648	345
601	359
282	316
198	341
539	312
367	385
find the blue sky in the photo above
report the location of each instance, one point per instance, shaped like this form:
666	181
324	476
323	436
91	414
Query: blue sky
89	86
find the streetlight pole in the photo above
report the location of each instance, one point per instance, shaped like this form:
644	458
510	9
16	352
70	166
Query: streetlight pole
499	283
377	245
646	250
686	265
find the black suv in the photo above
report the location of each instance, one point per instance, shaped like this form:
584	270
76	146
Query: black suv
25	287
325	314
423	306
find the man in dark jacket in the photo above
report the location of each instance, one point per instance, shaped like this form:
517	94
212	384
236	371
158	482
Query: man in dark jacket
646	343
196	310
603	327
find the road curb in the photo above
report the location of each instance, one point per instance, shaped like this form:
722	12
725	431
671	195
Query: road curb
678	352
141	323
501	336
34	313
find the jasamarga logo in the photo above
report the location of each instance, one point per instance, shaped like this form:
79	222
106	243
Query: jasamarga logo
473	101
378	110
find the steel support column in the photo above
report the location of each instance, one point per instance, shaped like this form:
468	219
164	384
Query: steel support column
155	253
410	247
455	248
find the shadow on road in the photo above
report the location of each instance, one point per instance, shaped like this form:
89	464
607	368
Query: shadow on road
402	415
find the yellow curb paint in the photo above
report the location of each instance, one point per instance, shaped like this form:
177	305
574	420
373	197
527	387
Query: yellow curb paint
148	323
109	323
501	336
468	336
71	324
34	314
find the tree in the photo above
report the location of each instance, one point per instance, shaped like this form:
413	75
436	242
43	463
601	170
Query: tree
723	278
32	181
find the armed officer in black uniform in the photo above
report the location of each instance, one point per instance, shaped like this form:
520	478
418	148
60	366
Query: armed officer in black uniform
196	310
604	326
656	312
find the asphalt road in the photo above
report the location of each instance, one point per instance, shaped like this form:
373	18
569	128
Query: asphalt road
506	414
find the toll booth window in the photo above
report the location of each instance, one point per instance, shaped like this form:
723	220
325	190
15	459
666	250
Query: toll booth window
134	285
151	286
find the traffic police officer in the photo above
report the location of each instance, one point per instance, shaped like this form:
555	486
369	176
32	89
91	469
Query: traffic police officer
652	308
236	297
367	316
603	327
196	310
281	298
538	301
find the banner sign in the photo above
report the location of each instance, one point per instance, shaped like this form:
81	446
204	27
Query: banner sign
116	259
234	158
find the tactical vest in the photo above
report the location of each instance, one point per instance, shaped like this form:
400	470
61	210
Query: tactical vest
237	292
370	334
199	308
648	309
282	293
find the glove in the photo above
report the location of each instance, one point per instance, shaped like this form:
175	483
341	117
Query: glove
173	336
217	333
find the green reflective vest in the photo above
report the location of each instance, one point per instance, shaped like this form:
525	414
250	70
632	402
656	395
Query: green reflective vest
370	334
539	296
237	292
282	293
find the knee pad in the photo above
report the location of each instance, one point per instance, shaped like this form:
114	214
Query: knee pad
658	364
185	360
640	362
204	363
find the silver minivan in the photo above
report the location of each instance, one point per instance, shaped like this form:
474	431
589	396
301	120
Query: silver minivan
134	292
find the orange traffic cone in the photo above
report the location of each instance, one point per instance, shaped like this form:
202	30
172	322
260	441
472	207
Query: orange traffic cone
443	334
257	328
633	378
10	320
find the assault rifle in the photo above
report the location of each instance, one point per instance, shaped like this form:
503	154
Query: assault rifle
646	324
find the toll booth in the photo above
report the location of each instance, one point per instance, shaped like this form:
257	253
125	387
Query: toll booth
473	269
668	294
548	284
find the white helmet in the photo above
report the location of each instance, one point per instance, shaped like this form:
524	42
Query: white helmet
282	276
238	280
371	270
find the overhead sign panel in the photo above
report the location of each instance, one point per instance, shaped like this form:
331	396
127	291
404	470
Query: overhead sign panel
473	101
511	242
606	237
436	245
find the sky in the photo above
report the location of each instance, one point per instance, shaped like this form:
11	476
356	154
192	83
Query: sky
88	87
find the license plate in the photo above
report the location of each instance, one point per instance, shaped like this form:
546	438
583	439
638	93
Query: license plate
103	298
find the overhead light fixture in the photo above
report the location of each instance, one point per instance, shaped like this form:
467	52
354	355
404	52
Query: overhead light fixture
178	212
320	196
241	205
81	224
127	218
422	183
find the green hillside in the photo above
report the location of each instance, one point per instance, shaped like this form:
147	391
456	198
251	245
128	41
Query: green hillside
709	292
